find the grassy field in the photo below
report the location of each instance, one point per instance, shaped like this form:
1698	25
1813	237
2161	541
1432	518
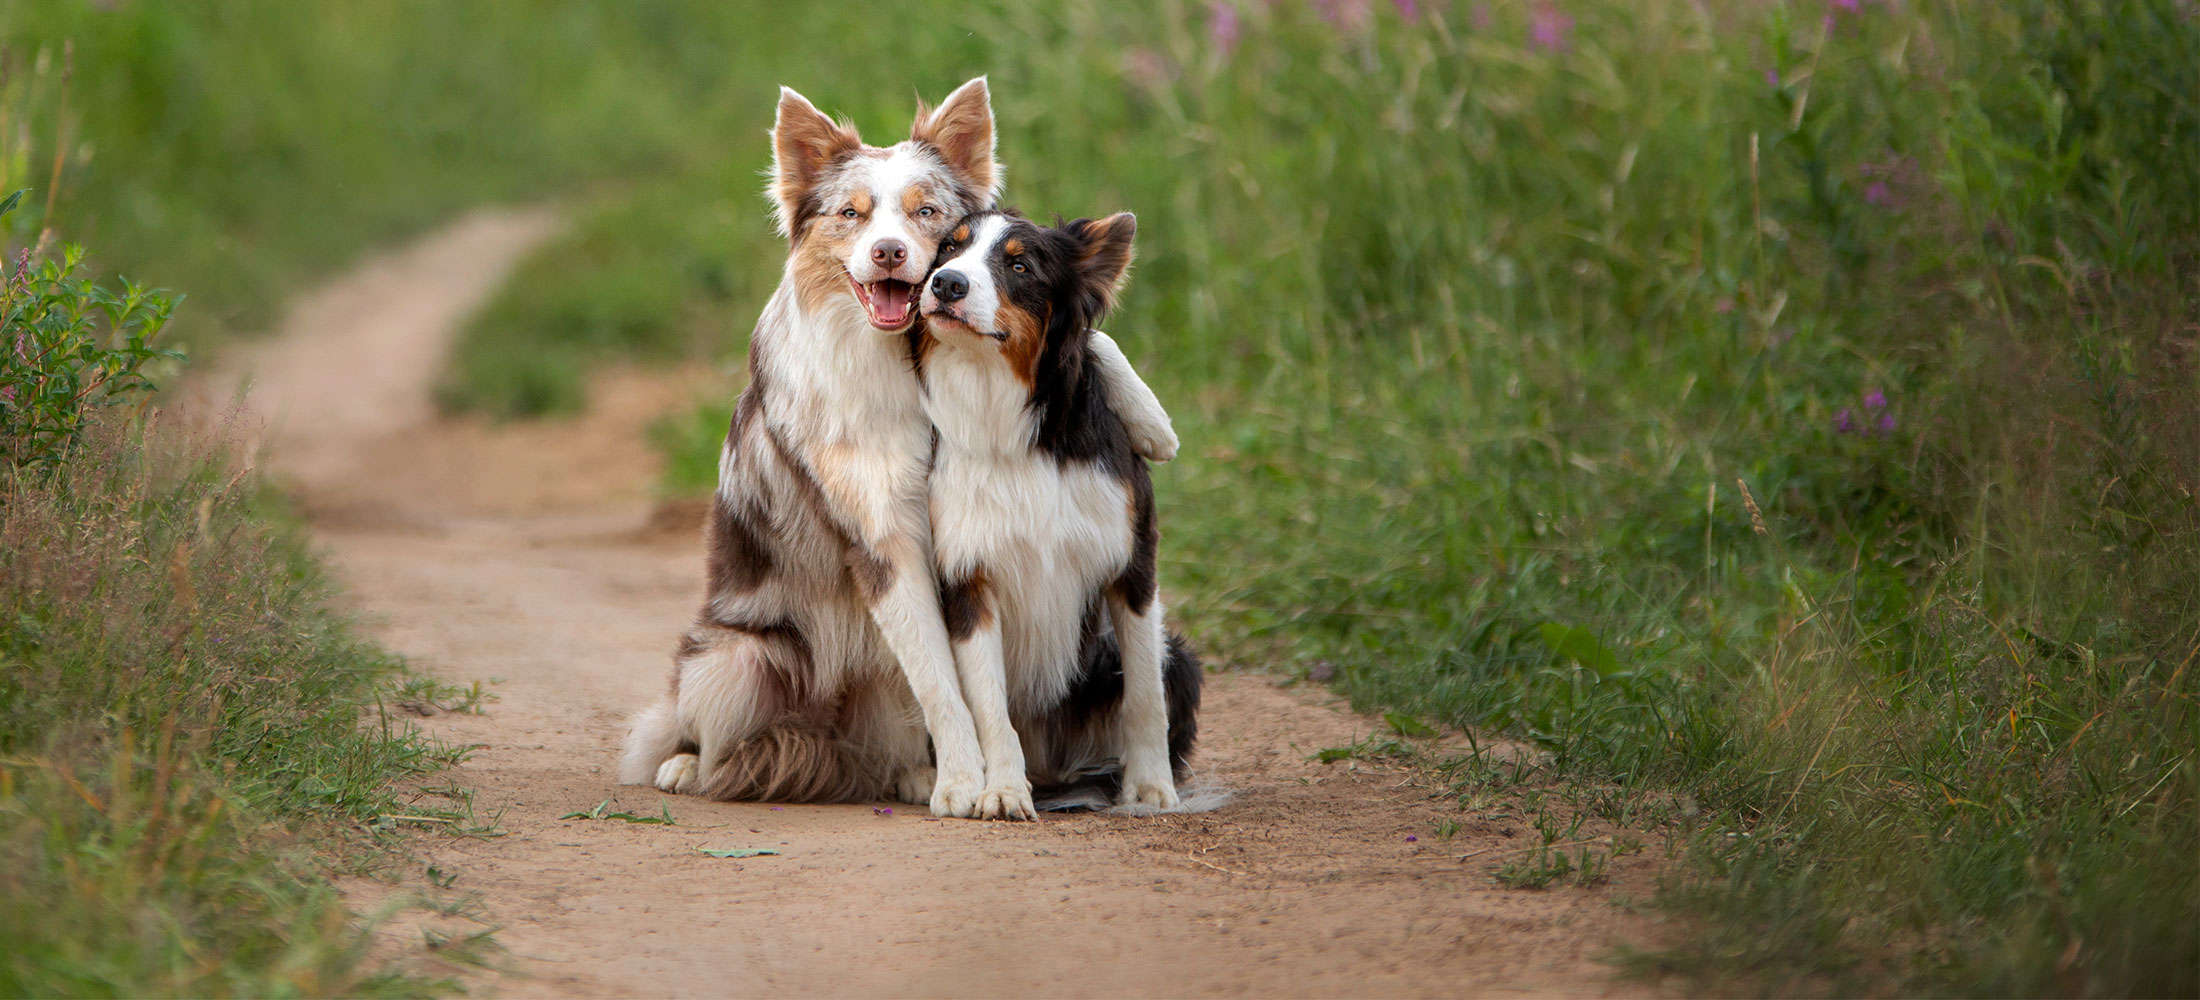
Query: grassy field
1787	415
191	742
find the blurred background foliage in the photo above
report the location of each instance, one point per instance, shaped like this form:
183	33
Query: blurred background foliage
1790	410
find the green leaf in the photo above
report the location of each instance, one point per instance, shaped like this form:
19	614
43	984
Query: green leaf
8	204
1333	754
736	852
1577	644
1407	725
596	813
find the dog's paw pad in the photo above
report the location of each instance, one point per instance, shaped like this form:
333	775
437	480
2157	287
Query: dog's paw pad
1007	802
915	786
680	773
1152	794
1154	444
955	795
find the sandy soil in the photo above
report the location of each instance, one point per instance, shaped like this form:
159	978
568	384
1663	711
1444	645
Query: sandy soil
524	553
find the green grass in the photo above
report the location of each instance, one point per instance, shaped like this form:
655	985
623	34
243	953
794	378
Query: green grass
191	742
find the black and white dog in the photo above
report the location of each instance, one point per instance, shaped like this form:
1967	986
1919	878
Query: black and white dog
1043	527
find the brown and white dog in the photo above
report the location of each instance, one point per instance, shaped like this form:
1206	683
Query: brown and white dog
820	662
1043	526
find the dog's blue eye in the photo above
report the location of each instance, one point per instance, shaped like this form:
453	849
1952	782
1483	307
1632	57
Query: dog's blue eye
926	211
847	213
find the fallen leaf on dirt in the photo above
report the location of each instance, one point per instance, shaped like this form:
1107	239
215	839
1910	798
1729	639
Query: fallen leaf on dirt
663	819
1407	725
736	852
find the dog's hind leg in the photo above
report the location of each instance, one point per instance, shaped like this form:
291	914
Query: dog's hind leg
727	691
1182	677
884	728
652	744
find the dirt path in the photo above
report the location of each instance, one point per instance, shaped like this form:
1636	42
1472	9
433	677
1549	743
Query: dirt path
520	553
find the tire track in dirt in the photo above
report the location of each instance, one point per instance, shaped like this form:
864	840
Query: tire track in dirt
522	553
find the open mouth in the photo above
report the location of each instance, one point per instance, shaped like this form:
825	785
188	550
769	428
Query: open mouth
888	302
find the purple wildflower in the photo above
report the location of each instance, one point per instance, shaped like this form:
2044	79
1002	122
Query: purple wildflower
1876	193
1886	422
1222	25
1408	9
1411	838
1843	423
1875	400
1549	28
1772	78
1349	15
1826	24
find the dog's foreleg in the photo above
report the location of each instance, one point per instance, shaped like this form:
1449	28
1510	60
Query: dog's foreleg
1147	778
975	630
905	603
1133	401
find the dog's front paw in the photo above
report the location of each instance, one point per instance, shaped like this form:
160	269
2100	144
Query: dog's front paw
956	794
1153	442
1148	791
680	773
1008	801
915	786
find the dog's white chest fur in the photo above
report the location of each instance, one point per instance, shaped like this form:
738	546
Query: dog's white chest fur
1047	535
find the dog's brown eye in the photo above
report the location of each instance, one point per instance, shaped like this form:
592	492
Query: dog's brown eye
1018	267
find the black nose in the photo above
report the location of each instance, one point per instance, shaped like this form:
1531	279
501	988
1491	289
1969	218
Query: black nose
950	286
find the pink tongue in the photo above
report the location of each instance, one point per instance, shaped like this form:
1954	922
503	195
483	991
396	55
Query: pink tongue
890	301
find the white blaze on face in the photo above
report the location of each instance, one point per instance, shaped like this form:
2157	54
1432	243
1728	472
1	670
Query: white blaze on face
893	250
979	308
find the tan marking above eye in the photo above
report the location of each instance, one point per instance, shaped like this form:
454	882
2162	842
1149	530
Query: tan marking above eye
861	202
962	233
914	198
1013	247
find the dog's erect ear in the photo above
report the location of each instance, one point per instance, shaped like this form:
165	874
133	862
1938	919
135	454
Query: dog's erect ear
962	130
804	143
1104	254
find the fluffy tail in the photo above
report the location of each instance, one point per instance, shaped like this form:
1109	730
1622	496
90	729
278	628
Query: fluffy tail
796	759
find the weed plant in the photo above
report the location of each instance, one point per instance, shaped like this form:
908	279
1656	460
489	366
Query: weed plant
177	702
180	727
